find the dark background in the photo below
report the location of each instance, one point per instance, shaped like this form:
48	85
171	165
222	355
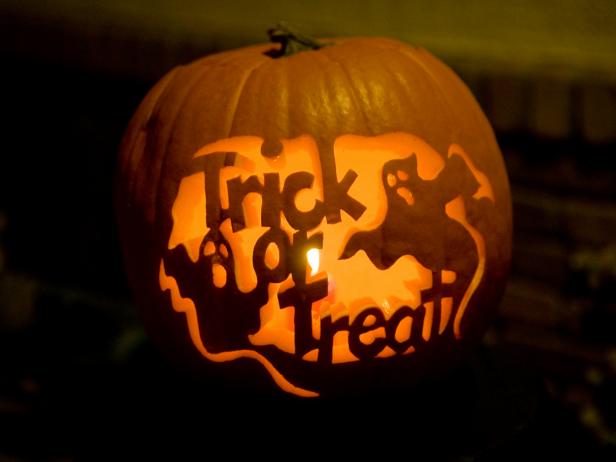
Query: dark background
78	375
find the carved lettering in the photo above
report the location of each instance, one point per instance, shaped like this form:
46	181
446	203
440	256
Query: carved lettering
369	332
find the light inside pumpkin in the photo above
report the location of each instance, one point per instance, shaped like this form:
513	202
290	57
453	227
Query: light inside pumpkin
313	260
253	184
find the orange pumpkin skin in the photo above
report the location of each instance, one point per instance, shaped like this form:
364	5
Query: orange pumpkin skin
374	107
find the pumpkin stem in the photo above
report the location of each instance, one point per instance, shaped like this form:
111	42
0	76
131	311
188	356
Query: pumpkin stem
291	41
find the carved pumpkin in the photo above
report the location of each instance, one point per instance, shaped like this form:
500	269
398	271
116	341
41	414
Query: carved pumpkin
340	215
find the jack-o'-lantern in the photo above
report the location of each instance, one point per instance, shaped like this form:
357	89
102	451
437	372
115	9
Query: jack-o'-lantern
339	214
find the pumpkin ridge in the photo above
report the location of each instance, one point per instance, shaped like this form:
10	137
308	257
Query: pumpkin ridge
238	95
351	88
157	165
437	83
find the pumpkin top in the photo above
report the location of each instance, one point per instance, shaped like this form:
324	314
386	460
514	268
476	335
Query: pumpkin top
362	85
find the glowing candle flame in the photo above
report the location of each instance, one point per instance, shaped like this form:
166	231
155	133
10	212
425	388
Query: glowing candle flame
313	261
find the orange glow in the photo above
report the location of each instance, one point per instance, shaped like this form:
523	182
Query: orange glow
209	248
219	275
405	194
369	337
305	199
448	277
354	284
391	180
188	214
387	352
402	175
272	256
403	332
359	284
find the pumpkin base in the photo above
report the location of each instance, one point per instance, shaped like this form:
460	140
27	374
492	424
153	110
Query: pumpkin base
466	408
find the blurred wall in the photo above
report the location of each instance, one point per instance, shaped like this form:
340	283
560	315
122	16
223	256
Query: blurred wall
552	62
561	38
